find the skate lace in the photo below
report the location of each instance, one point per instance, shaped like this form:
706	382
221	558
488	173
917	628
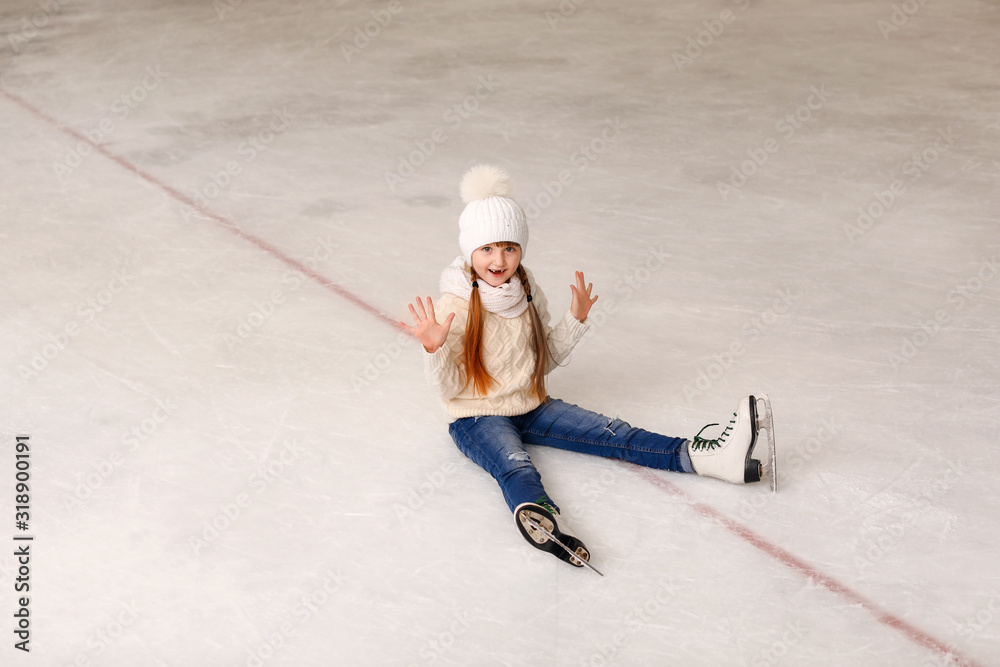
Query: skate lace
702	444
547	504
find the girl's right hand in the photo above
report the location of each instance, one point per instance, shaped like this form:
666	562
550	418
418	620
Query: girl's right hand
427	330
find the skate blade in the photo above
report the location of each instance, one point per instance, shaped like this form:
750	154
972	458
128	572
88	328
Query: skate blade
576	558
536	526
752	468
765	421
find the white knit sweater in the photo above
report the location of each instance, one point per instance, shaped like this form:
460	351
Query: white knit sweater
507	354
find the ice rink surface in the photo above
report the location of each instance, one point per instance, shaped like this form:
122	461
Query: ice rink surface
214	213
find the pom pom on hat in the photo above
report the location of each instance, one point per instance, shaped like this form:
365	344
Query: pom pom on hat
485	180
490	215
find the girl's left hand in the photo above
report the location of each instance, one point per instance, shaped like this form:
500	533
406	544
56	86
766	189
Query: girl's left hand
581	304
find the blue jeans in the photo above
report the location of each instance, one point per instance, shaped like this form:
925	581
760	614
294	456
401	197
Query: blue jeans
497	445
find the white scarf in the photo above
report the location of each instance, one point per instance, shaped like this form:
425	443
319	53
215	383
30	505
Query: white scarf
509	300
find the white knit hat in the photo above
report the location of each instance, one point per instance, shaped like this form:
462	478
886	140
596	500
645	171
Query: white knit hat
490	215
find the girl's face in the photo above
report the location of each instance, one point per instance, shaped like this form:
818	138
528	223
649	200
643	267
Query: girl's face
497	262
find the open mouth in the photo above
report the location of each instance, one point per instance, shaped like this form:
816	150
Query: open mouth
497	274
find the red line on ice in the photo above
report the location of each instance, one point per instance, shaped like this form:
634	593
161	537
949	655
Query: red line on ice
785	558
219	219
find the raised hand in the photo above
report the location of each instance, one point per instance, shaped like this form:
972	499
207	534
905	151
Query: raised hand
581	303
427	330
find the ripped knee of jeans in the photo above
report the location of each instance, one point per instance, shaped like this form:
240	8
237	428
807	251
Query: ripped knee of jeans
617	424
518	456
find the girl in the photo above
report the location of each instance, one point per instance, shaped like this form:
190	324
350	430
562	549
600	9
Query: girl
489	358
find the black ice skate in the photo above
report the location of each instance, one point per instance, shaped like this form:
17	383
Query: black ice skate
540	528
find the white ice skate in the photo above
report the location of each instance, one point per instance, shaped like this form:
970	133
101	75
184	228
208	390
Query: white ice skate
730	456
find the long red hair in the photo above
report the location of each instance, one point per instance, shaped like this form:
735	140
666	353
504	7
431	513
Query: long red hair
476	373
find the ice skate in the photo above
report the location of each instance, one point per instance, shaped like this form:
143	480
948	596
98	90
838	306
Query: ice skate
729	457
539	525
